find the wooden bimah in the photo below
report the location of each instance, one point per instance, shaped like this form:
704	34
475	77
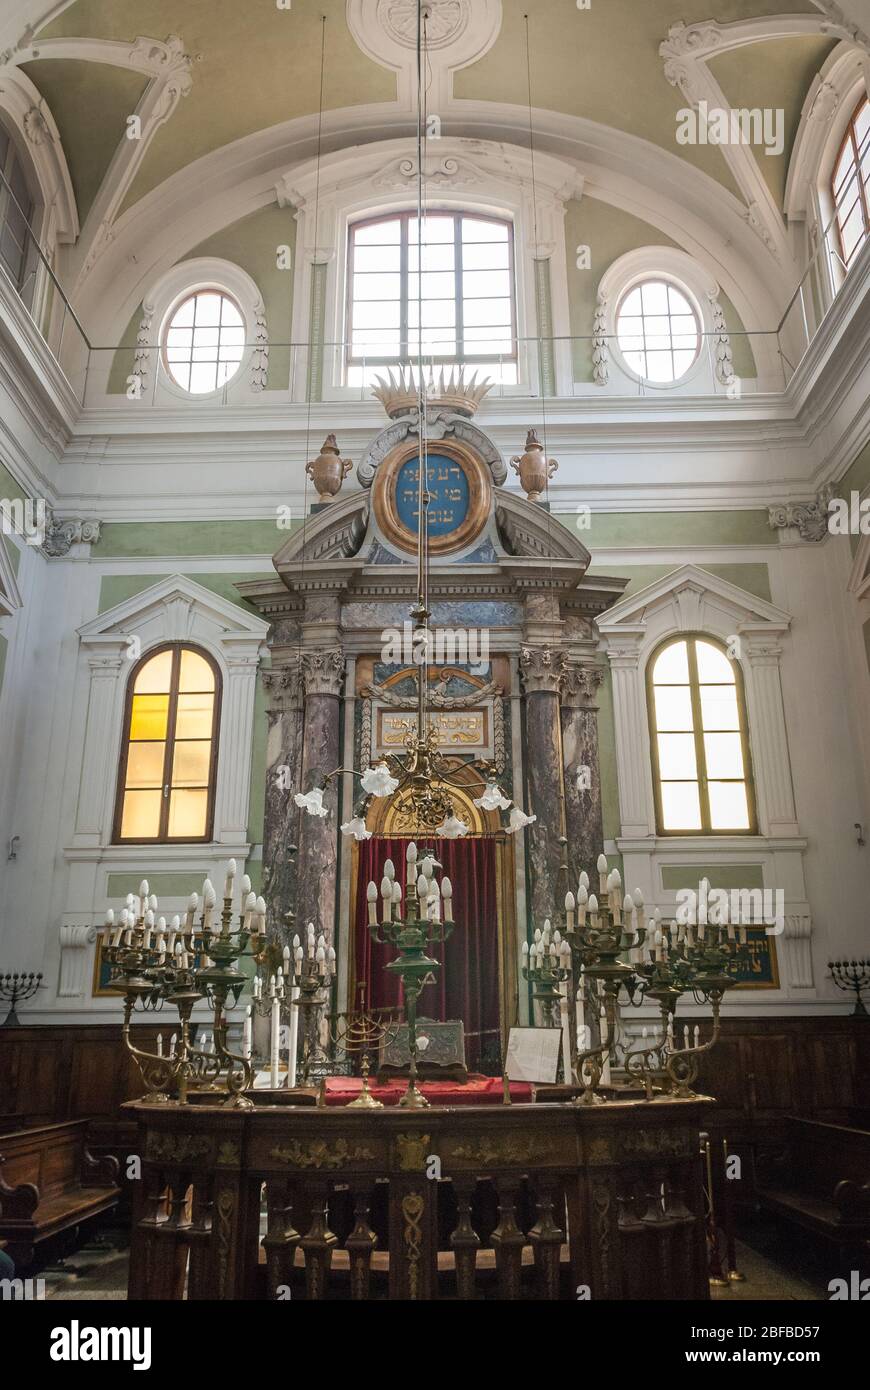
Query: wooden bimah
551	1201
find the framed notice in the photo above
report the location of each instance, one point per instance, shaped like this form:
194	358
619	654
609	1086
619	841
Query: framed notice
533	1054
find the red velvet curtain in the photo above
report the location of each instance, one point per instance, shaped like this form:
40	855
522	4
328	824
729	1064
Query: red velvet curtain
467	984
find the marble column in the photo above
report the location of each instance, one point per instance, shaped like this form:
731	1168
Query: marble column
542	670
583	814
323	678
284	707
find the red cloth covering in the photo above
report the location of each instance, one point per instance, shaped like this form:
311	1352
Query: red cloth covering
478	1090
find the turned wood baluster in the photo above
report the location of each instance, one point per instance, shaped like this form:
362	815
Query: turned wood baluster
170	1253
148	1213
200	1281
508	1241
318	1244
546	1240
360	1245
281	1239
464	1240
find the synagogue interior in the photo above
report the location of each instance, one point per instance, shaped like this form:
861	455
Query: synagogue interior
435	652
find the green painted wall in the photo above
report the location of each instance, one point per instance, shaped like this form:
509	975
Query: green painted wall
754	578
90	103
857	475
610	233
135	540
251	243
4	645
9	488
774	75
609	530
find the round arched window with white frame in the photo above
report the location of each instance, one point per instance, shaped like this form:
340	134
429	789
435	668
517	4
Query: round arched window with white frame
658	330
204	341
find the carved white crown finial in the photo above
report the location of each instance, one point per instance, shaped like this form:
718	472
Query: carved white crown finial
398	392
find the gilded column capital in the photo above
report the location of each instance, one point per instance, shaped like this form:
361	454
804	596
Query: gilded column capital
322	671
580	687
542	670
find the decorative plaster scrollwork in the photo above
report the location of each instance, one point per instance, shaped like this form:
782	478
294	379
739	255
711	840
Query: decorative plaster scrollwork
721	344
810	519
74	940
142	355
260	357
600	349
442	173
755	219
61	536
842	24
446	21
36	127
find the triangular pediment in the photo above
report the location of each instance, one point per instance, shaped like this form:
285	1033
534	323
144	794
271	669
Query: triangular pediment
699	600
173	610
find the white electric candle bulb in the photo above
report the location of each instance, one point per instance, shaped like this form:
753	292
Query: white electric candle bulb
372	899
525	950
602	874
397	898
152	901
246	885
422	886
570	906
584	880
593	905
110	918
697	1035
285	957
446	888
159	1044
428	866
143	889
387	898
149	918
390	870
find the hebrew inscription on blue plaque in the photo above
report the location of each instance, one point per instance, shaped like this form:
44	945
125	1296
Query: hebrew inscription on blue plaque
448	488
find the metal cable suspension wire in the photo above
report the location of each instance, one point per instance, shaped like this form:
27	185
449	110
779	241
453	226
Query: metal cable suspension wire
539	339
313	271
423	447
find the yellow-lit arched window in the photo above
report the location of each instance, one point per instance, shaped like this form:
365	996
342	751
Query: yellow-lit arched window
169	756
699	742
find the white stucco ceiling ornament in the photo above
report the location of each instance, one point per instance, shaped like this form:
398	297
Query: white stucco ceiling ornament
445	20
458	33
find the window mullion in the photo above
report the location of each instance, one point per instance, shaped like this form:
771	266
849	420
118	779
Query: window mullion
697	723
171	718
457	288
404	330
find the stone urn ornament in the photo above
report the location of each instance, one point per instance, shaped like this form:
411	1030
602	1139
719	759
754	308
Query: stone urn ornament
328	471
533	467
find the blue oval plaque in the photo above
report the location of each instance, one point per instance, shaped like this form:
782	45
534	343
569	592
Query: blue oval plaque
448	488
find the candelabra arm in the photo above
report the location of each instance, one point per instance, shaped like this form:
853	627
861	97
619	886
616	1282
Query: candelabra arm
157	1072
682	1064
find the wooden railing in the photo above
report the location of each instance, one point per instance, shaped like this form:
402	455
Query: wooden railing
520	1201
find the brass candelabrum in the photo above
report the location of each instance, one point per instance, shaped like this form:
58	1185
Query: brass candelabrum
616	947
363	1031
154	964
411	935
848	975
546	964
295	983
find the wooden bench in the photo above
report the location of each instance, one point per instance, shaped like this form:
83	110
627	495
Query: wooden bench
50	1183
821	1181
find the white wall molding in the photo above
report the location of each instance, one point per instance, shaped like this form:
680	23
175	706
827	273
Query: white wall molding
459	32
160	301
712	369
474	175
691	599
177	609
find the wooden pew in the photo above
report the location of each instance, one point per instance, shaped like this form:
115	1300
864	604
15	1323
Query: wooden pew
821	1181
50	1183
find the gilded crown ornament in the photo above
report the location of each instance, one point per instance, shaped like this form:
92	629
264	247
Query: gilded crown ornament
399	391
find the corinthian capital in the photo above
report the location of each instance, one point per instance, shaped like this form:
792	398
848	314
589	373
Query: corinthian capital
580	686
542	669
323	672
283	687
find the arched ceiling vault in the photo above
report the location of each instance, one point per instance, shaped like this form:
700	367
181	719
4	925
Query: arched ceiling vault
225	102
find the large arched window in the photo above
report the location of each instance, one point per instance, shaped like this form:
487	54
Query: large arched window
16	213
850	184
699	741
461	309
169	755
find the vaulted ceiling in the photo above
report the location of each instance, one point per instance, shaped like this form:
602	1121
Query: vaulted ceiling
204	74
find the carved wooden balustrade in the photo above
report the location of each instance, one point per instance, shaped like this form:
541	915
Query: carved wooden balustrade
514	1202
